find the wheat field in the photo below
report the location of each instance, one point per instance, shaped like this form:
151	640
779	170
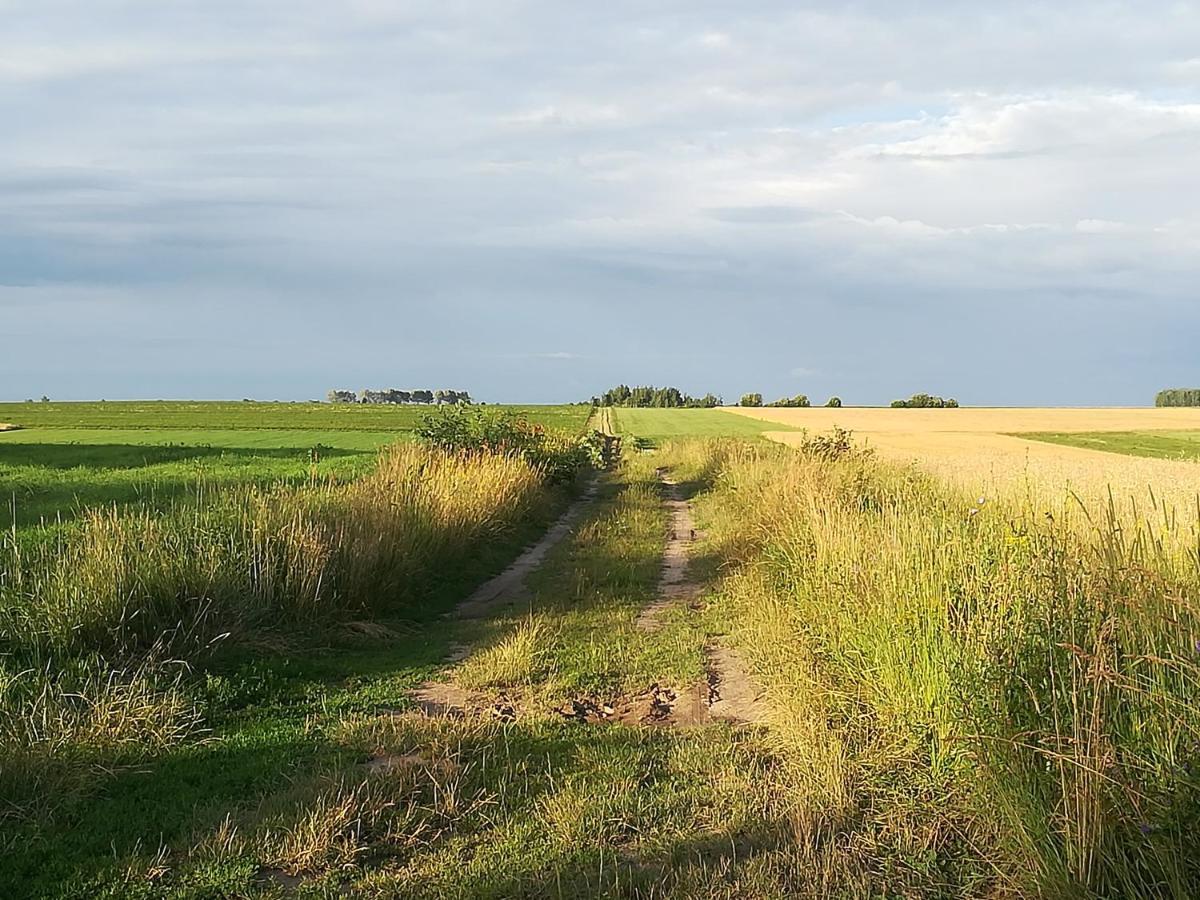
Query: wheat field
981	450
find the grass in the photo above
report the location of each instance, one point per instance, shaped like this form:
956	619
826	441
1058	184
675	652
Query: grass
1153	444
651	427
966	699
977	700
71	457
159	415
470	808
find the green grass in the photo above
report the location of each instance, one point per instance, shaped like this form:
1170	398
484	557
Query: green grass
72	456
1154	444
222	415
651	427
540	807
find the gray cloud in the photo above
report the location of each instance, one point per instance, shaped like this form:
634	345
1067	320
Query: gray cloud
887	197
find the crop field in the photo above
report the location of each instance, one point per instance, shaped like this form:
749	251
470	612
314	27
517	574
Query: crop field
1060	455
311	661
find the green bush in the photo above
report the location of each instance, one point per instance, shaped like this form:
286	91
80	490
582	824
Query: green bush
834	403
480	429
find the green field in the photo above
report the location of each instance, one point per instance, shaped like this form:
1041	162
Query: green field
160	415
70	456
1154	444
651	427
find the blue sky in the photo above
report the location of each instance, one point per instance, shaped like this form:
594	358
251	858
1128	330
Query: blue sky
536	200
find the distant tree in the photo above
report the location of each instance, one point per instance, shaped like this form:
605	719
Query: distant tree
1178	397
834	402
649	396
799	401
925	401
336	396
751	400
45	399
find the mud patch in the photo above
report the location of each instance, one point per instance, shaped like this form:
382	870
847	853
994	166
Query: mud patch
661	706
445	700
732	694
674	585
509	585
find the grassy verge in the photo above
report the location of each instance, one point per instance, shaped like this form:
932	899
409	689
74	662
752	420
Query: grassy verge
975	700
1153	444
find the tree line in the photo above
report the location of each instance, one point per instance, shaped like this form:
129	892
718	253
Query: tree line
800	401
1178	397
650	397
925	401
393	396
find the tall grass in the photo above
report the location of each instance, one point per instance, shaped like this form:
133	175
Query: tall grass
1000	697
88	618
124	579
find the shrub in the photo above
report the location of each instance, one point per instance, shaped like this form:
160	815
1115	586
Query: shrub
473	429
834	403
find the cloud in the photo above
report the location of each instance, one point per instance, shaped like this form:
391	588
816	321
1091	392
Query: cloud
683	191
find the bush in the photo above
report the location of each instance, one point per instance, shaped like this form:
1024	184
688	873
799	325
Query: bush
834	403
751	400
476	429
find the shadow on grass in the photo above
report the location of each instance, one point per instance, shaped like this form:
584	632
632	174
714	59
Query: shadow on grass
136	456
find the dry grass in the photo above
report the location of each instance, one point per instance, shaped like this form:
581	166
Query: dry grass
975	449
985	695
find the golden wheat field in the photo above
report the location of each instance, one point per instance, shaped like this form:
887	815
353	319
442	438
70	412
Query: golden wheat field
979	449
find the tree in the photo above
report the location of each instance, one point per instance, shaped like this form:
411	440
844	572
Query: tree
336	396
925	401
1178	397
834	403
752	400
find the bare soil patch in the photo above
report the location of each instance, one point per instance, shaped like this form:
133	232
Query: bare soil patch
732	694
674	584
446	700
4	426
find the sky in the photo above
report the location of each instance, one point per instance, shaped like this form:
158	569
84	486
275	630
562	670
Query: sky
534	201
